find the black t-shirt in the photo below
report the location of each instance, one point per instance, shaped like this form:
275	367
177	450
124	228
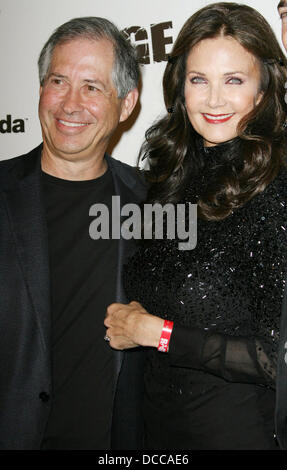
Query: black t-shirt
83	284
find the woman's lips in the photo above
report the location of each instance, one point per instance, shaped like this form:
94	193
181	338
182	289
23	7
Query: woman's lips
217	118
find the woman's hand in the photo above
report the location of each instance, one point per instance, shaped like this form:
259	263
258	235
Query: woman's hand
130	325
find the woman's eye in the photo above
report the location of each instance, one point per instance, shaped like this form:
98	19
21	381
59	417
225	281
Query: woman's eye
235	81
197	80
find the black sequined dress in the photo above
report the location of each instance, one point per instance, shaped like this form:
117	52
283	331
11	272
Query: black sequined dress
215	388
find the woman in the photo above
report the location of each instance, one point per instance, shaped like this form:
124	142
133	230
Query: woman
214	310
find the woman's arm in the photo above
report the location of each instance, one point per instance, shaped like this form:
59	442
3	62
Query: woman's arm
235	358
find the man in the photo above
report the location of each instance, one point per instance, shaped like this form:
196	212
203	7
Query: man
61	385
281	386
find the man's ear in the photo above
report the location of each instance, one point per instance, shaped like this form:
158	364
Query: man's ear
128	104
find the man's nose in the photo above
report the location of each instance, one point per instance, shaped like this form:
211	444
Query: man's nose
216	96
72	101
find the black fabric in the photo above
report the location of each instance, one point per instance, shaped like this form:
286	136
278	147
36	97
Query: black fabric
207	413
281	402
235	358
225	297
128	409
24	305
83	279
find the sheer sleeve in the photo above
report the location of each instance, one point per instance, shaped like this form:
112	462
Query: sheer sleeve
234	358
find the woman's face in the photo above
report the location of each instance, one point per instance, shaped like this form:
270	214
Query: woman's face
222	85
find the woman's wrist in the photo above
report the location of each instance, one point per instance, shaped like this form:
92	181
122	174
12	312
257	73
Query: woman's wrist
150	330
163	344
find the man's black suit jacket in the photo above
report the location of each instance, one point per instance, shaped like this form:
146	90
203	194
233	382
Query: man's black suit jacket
25	359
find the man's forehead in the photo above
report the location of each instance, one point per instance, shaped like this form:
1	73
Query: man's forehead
83	47
282	3
86	39
86	44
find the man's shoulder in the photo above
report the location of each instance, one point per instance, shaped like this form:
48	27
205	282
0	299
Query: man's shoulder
20	162
9	162
117	164
126	171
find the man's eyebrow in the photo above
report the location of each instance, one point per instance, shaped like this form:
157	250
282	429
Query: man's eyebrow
281	4
87	80
95	81
55	74
91	80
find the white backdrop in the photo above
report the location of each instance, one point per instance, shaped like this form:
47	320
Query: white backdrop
25	25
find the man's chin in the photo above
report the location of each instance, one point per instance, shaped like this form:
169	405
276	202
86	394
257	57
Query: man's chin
69	151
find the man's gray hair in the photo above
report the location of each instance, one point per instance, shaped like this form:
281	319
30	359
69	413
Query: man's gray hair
125	73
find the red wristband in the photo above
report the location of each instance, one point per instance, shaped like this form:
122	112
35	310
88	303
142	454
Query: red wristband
165	336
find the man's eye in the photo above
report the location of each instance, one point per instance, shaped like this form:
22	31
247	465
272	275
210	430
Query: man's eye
92	88
56	81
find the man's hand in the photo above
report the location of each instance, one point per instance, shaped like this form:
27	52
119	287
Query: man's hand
130	325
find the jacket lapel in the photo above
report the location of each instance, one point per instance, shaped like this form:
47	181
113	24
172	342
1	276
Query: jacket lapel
27	218
131	190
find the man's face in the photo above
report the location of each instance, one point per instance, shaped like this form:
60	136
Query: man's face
282	9
79	108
